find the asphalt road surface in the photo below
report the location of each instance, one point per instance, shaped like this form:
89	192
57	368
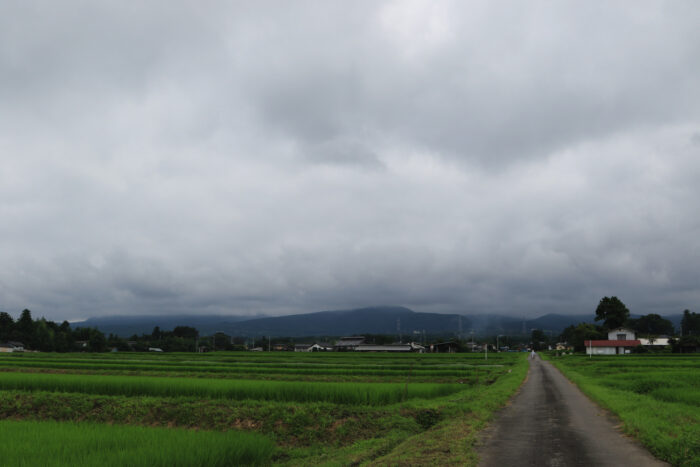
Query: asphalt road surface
551	423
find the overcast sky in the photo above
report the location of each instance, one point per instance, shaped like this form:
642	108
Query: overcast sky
277	157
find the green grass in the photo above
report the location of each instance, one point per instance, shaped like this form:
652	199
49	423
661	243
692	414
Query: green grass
657	397
31	443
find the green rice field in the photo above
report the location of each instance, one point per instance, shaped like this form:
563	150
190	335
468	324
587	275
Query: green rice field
30	443
245	408
657	398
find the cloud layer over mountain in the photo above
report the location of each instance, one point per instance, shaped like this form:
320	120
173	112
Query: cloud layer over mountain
274	157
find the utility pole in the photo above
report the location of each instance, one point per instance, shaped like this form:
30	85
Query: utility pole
398	328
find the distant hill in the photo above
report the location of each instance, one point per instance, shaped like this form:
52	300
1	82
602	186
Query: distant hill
374	320
371	320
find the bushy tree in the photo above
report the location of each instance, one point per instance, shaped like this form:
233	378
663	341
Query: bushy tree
612	312
96	341
652	324
43	336
576	335
538	339
687	343
690	324
186	332
7	325
25	328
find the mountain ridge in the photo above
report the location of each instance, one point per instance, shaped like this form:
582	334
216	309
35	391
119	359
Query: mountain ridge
369	320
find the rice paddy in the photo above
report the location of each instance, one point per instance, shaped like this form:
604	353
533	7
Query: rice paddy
229	408
30	443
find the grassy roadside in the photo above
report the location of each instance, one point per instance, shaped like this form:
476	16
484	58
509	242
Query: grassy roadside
634	390
453	440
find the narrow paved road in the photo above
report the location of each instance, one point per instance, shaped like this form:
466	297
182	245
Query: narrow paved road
551	423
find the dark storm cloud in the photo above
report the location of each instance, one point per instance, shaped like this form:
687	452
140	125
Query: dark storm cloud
274	157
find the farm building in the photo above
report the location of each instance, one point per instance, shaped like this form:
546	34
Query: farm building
444	347
316	347
410	347
562	346
345	344
656	342
620	341
12	346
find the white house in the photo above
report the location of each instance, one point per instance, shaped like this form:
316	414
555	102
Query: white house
621	334
620	341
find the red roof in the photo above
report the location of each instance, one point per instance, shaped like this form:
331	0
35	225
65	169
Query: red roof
613	343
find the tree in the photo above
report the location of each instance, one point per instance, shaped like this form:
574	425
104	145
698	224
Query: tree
685	344
690	324
187	332
96	341
612	312
25	328
539	340
576	335
6	326
43	336
652	324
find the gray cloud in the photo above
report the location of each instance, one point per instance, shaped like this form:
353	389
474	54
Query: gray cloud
264	157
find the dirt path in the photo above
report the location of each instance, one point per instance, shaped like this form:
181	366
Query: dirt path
551	423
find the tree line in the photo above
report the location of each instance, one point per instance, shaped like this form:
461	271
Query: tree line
48	336
614	314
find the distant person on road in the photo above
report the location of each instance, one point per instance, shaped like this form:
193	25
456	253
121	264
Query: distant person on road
532	355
